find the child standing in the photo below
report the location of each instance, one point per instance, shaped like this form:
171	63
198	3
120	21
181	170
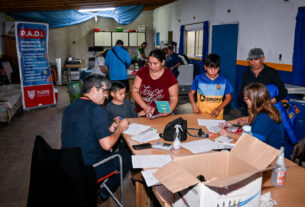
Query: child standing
213	90
119	106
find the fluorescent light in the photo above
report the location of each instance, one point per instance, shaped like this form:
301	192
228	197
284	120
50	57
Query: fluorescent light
96	9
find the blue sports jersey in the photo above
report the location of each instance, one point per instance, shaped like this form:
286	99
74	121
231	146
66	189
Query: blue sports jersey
210	93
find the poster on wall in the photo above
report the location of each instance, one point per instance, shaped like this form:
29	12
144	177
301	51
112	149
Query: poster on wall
35	75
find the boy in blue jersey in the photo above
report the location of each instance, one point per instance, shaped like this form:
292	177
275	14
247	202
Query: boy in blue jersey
213	89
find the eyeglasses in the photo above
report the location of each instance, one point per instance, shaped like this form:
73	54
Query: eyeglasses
105	90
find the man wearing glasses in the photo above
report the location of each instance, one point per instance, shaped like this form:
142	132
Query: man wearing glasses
85	125
259	72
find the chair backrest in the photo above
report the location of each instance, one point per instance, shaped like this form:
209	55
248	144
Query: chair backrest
298	154
60	178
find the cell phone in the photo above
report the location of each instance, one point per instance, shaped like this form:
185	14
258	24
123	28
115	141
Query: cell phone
141	146
155	116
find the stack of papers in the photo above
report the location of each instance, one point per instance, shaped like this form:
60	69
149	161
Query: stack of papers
150	161
146	136
223	139
134	129
203	145
149	178
211	124
206	145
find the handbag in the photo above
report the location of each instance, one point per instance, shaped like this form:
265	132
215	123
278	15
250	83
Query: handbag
170	130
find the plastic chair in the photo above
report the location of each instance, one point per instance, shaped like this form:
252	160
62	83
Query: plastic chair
299	152
103	180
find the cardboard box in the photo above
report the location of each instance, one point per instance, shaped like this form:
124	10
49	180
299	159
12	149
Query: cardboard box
233	178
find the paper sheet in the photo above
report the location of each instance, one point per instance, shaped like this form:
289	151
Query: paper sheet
146	136
211	124
149	178
150	161
223	139
134	129
199	146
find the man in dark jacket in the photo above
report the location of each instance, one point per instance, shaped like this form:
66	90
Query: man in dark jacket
259	72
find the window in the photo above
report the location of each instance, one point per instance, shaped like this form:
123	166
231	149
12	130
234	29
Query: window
193	43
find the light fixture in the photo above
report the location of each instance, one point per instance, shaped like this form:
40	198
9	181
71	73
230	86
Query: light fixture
96	9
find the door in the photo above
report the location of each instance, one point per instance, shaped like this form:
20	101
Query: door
224	43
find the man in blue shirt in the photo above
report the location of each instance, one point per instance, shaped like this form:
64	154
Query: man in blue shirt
118	60
85	125
173	61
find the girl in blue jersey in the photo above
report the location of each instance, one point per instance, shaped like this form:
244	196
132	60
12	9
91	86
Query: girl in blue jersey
264	118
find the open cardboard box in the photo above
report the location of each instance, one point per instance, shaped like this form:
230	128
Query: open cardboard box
232	178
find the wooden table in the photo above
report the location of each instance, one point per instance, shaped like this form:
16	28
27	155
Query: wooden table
159	124
293	194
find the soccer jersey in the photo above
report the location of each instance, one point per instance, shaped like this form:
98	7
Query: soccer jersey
210	93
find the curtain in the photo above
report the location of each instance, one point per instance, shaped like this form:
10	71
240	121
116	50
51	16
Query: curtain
299	49
181	43
205	46
122	15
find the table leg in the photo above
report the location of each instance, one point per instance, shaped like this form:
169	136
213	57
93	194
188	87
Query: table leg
142	198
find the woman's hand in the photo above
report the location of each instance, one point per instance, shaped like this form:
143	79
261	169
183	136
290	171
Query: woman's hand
223	132
149	111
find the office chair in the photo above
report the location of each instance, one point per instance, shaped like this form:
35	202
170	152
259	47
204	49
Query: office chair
103	180
299	152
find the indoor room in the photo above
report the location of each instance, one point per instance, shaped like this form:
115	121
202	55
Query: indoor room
153	103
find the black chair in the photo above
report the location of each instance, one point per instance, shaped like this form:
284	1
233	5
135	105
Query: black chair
298	154
60	178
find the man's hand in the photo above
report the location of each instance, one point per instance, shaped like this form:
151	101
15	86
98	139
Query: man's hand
215	112
124	124
113	127
195	109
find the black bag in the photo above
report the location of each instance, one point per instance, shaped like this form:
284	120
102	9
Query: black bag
170	130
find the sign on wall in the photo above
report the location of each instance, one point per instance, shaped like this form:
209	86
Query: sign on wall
35	75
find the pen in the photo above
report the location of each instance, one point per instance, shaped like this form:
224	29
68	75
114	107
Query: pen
183	199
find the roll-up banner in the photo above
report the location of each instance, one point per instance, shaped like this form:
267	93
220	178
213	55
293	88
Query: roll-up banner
35	74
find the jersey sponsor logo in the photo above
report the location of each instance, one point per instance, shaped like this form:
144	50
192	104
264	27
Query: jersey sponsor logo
209	99
218	87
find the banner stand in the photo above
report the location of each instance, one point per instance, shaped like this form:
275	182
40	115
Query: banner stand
35	75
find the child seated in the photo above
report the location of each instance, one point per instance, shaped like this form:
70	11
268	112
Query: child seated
119	106
211	87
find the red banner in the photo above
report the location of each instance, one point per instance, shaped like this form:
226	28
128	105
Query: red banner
38	95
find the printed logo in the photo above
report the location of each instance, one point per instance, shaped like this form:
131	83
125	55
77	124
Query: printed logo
32	33
209	99
218	87
43	93
31	94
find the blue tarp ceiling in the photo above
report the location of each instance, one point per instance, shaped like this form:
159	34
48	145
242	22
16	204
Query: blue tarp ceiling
122	15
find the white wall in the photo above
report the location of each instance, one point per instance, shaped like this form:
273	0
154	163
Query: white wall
74	41
1	32
266	24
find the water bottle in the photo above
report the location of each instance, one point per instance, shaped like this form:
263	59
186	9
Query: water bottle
177	143
247	129
278	177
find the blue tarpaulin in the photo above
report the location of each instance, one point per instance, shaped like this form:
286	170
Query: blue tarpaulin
122	15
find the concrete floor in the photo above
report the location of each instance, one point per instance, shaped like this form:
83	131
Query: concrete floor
16	145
